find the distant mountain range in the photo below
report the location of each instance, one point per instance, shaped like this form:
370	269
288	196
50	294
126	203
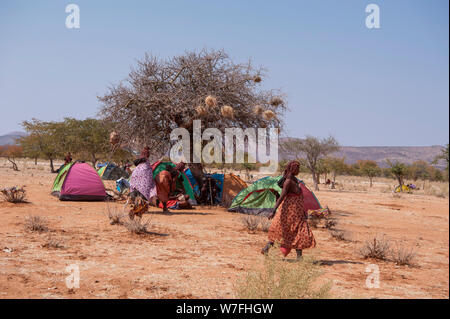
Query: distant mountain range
10	138
379	154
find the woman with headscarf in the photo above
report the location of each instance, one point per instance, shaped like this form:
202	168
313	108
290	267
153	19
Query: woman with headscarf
141	182
290	219
166	185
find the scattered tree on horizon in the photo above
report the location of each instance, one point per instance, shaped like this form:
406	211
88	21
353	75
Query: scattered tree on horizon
399	170
313	149
370	169
11	152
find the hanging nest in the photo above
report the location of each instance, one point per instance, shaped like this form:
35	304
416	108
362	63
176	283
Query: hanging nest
201	110
227	111
114	138
268	115
258	110
210	101
275	101
257	79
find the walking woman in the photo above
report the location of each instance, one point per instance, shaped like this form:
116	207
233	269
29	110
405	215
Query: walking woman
290	219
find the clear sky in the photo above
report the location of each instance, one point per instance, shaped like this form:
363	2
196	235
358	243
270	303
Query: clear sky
367	87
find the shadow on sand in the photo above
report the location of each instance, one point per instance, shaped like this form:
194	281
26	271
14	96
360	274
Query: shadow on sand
337	262
172	213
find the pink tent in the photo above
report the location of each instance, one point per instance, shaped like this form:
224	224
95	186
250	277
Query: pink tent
82	183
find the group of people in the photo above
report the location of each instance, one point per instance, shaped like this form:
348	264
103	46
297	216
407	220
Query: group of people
157	191
289	225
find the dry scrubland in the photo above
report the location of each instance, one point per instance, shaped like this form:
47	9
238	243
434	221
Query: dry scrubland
208	252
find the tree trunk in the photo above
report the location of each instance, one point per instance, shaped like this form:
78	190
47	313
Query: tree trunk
15	168
52	168
35	161
94	160
316	184
370	178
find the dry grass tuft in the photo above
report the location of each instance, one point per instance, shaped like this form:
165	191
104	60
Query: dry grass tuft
115	217
403	256
278	279
265	224
210	101
330	223
137	226
14	194
250	222
313	221
376	248
36	223
340	235
53	243
227	111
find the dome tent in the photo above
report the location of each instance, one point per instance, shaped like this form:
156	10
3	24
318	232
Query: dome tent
78	181
260	197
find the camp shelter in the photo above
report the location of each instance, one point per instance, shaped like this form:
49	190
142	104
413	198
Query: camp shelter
111	171
232	185
159	166
229	186
260	197
78	181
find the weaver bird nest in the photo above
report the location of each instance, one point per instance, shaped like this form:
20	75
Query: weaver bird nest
227	111
268	115
210	101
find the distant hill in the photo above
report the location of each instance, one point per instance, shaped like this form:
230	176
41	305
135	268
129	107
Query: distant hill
10	138
379	154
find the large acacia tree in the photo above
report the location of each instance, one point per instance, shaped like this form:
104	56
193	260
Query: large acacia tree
160	95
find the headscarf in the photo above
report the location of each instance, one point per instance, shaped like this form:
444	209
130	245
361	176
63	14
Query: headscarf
290	169
68	158
180	167
145	152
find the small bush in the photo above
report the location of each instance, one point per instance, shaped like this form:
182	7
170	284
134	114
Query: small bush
340	235
265	224
53	243
330	223
313	221
137	226
403	256
279	279
376	248
14	194
250	222
36	223
115	217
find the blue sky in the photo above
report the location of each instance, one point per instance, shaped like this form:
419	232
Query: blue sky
366	87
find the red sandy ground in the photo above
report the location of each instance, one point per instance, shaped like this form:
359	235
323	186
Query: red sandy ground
201	253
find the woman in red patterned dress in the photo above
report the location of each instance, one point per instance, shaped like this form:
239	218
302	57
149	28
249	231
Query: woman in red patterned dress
290	220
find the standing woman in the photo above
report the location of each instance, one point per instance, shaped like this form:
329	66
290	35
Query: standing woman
290	219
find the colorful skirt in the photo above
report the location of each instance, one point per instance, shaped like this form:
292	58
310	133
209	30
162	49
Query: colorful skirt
290	225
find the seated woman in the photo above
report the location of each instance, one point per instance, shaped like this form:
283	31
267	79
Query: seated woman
166	182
